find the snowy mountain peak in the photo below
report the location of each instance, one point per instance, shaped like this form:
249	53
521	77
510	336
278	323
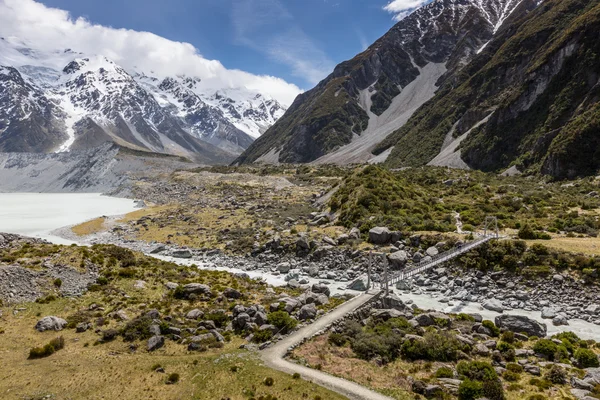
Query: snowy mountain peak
90	99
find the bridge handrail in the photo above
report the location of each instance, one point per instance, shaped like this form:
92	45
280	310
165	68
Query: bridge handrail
438	259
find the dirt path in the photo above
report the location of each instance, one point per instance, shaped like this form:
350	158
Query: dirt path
274	355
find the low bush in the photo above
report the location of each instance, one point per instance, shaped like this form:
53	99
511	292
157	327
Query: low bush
269	381
508	337
586	358
261	336
435	346
444	372
537	396
219	318
465	317
492	327
282	320
470	390
477	370
545	347
48	349
337	339
541	384
296	375
556	375
173	378
137	329
513	367
510	376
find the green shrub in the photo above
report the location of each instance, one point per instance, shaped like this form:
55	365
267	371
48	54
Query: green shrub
296	375
508	337
545	347
493	390
444	372
511	376
368	345
172	378
477	370
435	346
337	339
219	318
269	381
586	358
492	327
137	329
570	336
470	390
48	349
556	375
261	336
465	317
513	367
155	367
541	384
282	320
58	282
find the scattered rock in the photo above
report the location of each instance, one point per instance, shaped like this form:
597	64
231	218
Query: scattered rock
155	343
50	323
380	235
521	324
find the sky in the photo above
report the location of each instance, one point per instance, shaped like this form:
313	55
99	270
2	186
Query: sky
279	46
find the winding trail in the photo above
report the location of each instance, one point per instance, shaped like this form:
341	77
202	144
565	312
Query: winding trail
273	356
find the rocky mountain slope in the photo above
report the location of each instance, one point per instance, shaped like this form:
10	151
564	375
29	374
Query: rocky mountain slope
107	168
529	101
367	98
53	101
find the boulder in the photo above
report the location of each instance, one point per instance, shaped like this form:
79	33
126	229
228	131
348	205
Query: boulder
592	309
308	311
521	324
592	375
182	254
231	293
196	288
171	285
432	251
560	320
386	314
360	284
320	288
302	244
493	305
194	314
380	235
284	267
354	233
50	323
82	327
121	315
549	313
155	343
240	321
398	259
481	349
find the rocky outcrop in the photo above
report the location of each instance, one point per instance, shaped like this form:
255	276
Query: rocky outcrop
50	323
521	324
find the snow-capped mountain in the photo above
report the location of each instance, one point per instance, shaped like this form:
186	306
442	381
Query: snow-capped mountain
53	101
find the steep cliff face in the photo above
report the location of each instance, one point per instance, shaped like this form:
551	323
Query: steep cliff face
536	85
344	105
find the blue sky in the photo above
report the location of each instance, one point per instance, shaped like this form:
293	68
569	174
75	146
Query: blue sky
299	41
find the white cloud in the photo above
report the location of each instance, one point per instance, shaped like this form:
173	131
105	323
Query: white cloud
402	8
45	28
268	27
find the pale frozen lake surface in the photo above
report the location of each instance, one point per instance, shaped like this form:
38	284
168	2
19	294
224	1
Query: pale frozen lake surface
38	214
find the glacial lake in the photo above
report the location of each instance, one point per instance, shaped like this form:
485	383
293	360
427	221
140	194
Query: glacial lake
38	214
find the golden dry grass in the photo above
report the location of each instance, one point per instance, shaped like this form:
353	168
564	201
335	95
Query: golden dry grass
589	246
89	227
111	371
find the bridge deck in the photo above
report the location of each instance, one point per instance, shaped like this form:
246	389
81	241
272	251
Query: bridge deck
439	259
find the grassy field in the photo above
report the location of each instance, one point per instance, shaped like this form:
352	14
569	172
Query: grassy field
109	371
89	227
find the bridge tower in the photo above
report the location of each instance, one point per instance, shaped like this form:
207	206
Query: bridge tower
491	224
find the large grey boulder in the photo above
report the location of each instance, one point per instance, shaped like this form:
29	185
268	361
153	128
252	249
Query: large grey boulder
560	320
50	323
308	311
432	251
493	305
320	288
380	235
231	293
521	324
182	254
398	259
359	284
194	314
155	343
196	288
549	313
592	375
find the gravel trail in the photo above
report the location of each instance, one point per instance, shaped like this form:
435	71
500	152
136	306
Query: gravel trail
274	356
